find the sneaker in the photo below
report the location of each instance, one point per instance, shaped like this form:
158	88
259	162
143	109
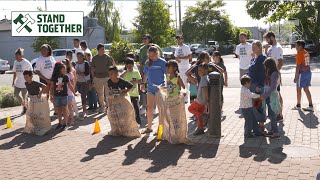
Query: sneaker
147	131
279	118
58	126
275	136
310	108
198	131
63	127
143	111
297	107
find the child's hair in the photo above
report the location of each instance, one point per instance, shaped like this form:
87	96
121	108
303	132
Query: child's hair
67	62
174	64
76	39
69	53
80	53
243	34
203	55
131	55
217	53
204	66
89	55
83	44
269	34
19	52
301	43
270	67
28	72
245	79
57	68
153	49
47	46
113	68
129	61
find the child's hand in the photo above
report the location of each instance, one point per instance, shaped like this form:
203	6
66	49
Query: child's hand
51	98
226	83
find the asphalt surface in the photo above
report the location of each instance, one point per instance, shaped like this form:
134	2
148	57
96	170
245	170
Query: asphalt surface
232	65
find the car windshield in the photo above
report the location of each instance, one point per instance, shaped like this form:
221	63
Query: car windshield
59	53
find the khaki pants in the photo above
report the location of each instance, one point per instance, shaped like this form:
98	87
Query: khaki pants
101	85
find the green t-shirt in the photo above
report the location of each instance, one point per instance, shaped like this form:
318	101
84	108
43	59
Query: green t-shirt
130	76
101	65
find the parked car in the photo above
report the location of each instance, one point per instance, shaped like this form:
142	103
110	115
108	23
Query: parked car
168	52
194	47
310	47
214	44
201	48
60	54
4	66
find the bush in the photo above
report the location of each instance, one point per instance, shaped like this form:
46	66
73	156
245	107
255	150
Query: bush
94	52
7	98
119	51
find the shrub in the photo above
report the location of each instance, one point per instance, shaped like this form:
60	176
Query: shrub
119	51
7	98
94	52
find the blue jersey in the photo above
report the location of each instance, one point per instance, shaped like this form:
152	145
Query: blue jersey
156	74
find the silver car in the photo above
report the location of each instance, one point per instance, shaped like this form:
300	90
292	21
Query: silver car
4	66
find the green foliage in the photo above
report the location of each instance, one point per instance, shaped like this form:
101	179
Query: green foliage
206	21
119	51
308	12
235	34
39	41
154	19
94	51
7	98
108	17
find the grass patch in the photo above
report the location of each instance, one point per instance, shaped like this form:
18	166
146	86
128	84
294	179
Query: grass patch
7	97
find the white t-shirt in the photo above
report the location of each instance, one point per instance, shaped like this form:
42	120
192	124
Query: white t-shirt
183	50
76	50
244	52
45	65
275	52
88	51
19	68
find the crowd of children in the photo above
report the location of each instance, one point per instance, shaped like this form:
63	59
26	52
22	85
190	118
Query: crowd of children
61	81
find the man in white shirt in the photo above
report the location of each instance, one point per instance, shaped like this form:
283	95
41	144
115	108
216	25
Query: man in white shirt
76	45
182	55
276	53
85	48
244	53
20	65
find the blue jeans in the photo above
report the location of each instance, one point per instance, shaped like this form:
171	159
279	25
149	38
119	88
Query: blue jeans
251	123
272	117
92	98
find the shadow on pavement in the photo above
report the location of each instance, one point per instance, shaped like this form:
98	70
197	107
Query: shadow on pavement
26	141
3	121
91	118
107	145
310	120
165	154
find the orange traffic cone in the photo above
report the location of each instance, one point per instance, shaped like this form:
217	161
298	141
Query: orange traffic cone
159	138
96	127
9	123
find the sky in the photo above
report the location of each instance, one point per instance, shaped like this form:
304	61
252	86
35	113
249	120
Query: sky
234	8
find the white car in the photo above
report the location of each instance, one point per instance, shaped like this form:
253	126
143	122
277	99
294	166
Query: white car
4	66
60	54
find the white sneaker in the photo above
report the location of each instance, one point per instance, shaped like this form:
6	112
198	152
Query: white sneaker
143	111
310	108
296	108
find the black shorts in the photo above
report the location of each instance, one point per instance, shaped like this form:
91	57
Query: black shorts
278	88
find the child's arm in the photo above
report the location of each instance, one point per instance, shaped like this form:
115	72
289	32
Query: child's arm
225	79
206	93
44	89
71	87
297	73
192	79
128	86
182	86
51	90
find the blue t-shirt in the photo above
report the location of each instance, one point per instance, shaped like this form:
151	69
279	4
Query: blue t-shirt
156	74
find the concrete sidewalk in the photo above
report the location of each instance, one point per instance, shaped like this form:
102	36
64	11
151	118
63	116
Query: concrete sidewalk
76	154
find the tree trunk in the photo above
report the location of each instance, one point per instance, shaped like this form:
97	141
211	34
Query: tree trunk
317	6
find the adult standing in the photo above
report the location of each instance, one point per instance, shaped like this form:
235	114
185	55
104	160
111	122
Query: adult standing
244	53
45	64
76	45
19	66
99	69
182	55
257	75
143	57
84	47
276	53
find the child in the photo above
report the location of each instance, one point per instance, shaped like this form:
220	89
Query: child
246	108
59	93
134	77
303	75
116	84
92	94
224	76
71	96
198	106
33	87
69	56
83	81
174	82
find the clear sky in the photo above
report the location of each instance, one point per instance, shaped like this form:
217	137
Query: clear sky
235	9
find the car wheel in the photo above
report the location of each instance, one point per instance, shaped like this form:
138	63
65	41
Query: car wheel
2	72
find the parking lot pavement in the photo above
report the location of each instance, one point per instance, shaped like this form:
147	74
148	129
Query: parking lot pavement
77	154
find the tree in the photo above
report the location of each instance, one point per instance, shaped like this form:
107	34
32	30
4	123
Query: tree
119	51
39	41
308	12
109	17
235	34
154	19
206	21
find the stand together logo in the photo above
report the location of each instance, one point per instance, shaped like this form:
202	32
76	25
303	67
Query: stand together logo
47	23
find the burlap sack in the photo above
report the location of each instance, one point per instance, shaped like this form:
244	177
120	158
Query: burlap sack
38	115
122	117
173	115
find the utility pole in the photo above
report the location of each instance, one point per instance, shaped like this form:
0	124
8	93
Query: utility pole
180	28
